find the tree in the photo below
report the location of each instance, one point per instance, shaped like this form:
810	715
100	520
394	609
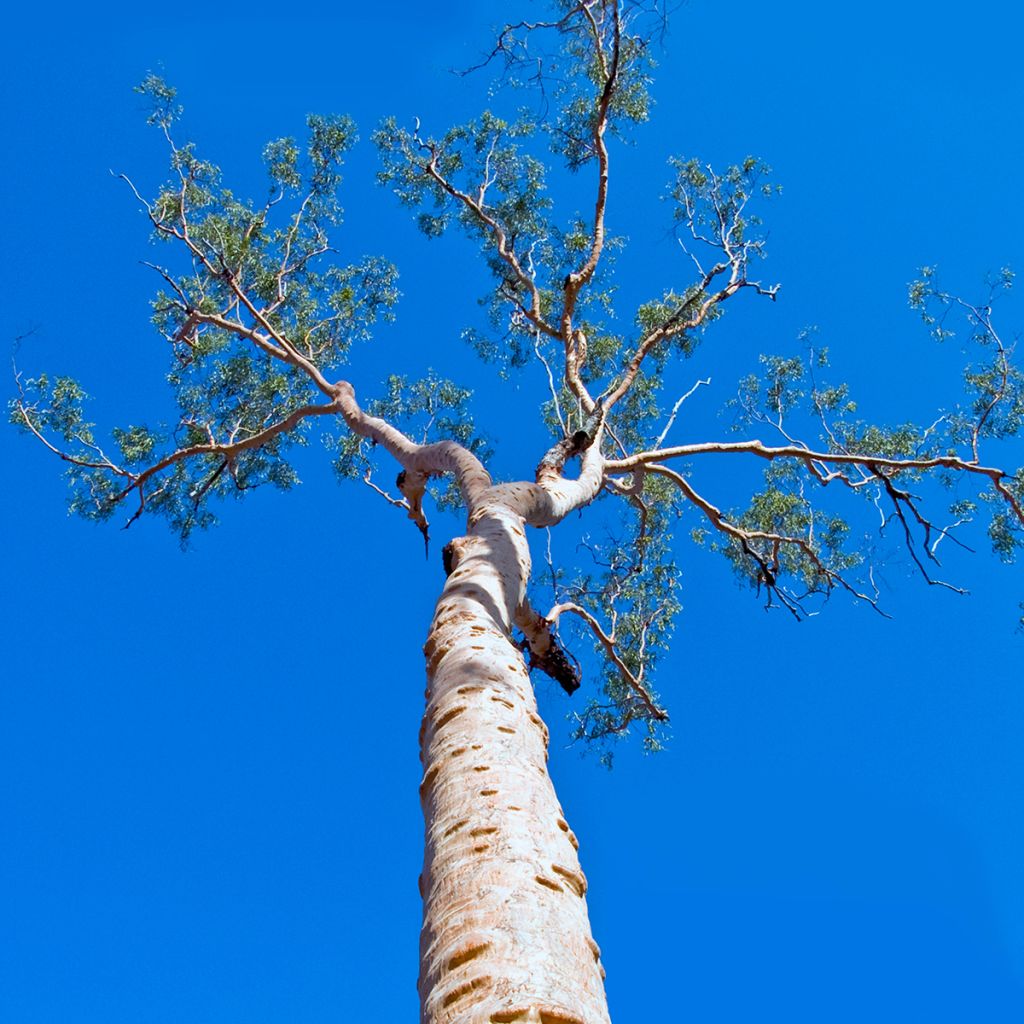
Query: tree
255	323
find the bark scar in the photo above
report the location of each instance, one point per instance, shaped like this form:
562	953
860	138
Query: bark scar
545	651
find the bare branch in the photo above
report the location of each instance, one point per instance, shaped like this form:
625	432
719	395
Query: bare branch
611	651
676	408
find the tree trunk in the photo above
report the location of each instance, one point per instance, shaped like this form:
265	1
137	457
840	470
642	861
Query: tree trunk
505	931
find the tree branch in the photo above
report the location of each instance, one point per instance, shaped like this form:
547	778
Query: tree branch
768	566
502	244
806	455
611	652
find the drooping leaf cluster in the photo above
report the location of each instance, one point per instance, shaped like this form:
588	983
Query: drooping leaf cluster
626	578
808	414
53	410
993	383
251	297
271	250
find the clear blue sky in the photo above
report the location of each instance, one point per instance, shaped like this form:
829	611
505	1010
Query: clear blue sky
209	767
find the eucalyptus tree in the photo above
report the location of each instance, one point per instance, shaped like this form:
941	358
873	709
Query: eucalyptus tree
259	319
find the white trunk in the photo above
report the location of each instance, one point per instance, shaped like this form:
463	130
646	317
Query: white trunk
505	935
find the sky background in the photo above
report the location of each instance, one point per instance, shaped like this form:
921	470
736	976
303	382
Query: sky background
208	761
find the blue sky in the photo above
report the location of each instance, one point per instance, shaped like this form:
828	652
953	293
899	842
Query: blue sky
209	759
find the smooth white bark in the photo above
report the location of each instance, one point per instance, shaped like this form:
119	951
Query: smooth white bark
506	935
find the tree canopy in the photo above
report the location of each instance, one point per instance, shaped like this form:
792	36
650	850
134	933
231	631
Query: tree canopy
259	317
770	400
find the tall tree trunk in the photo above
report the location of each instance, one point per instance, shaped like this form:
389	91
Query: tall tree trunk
505	930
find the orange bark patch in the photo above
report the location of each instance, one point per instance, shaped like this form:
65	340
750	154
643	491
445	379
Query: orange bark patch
452	829
510	1016
484	831
488	792
569	834
594	948
449	715
550	883
460	991
430	650
576	880
449	613
482	768
539	722
434	659
507	703
545	1014
505	728
554	1015
468	952
469	689
428	779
